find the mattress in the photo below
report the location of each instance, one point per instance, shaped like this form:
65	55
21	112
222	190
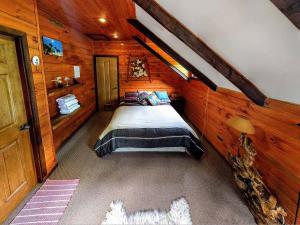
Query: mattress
148	127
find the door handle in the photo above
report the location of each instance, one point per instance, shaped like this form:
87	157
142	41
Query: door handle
25	126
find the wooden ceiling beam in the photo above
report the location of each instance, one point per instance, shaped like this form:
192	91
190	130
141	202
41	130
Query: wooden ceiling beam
291	9
167	49
199	47
157	55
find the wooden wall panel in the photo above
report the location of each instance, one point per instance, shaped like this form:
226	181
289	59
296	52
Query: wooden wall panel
77	50
22	15
277	138
163	78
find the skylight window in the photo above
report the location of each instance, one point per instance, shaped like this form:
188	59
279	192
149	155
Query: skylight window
168	58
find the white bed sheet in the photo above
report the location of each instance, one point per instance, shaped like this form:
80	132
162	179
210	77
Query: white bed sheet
162	116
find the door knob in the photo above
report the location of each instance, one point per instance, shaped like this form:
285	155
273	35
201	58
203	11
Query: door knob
25	126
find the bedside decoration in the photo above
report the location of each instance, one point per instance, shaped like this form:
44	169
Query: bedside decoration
67	80
138	68
262	204
35	60
58	82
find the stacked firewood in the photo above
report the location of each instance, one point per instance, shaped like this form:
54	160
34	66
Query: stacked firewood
262	204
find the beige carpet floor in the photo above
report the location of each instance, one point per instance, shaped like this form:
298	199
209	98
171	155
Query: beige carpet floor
146	181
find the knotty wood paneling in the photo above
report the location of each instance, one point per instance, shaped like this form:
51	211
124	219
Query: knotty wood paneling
22	15
77	50
277	138
162	77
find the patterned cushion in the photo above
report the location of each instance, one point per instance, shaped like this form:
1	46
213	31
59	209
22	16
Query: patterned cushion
153	99
143	97
144	94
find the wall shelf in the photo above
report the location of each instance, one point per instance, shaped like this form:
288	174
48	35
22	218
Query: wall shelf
59	120
58	91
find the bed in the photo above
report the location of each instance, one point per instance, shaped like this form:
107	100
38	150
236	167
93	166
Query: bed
148	128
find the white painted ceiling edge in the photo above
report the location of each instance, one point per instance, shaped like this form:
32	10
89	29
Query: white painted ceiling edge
182	49
253	36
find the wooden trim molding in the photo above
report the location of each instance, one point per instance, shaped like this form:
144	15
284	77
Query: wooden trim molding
198	46
167	49
153	52
291	9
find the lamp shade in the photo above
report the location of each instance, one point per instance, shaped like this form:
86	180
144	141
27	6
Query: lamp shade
241	124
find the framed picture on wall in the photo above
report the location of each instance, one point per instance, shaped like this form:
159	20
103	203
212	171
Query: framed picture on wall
138	68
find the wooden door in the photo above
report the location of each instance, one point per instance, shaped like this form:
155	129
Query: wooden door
107	82
17	173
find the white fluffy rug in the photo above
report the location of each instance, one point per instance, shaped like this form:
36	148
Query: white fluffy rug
179	214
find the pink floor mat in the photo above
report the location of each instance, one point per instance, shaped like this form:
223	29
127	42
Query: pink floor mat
48	204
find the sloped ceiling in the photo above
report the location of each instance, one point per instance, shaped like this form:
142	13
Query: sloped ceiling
290	8
253	36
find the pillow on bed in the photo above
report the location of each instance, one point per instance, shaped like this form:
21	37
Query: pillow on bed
143	97
163	96
164	103
131	96
123	103
153	99
144	93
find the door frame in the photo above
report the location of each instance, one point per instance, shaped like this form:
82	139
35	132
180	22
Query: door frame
95	76
26	77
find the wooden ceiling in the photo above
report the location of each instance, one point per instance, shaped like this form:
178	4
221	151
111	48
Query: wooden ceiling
83	16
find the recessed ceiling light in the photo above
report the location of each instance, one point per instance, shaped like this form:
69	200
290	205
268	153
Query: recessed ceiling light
116	36
122	44
102	20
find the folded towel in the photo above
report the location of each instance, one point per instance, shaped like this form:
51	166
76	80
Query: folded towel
67	104
68	107
70	110
66	98
71	107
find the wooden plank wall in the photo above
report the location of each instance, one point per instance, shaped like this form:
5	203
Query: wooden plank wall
77	50
22	15
163	78
277	138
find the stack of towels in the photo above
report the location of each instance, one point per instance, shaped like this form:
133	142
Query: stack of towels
67	104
